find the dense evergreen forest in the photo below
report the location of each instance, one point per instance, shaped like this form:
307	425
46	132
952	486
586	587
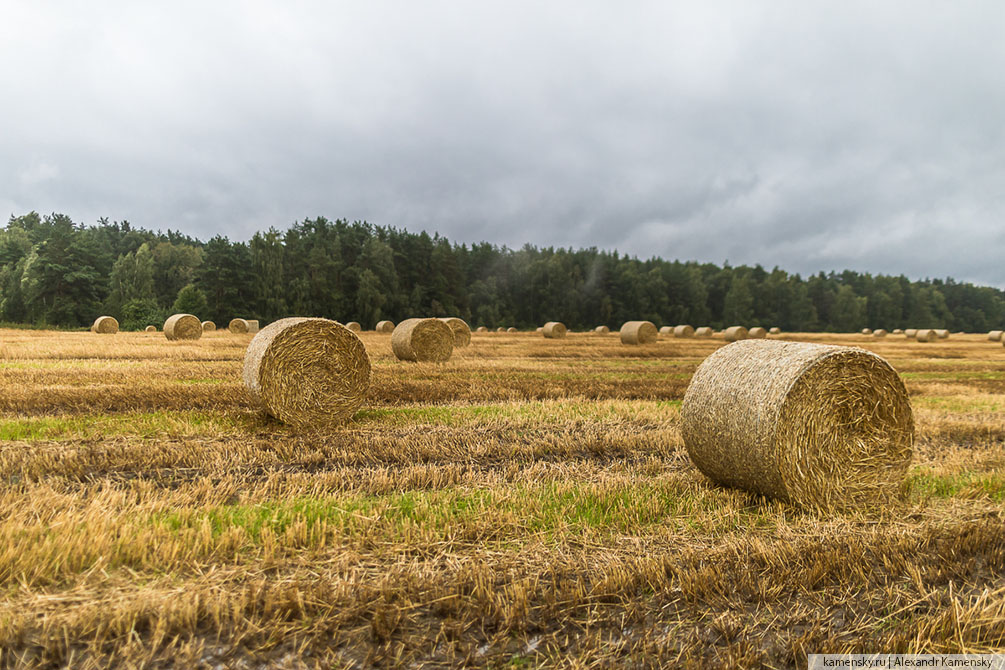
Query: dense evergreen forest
55	272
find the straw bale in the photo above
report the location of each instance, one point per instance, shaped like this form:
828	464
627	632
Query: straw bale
354	326
638	332
683	331
238	326
150	329
511	329
817	425
735	333
926	335
307	372
105	325
942	333
500	329
703	331
775	330
462	332
208	326
910	332
385	327
757	333
666	331
995	336
554	330
183	327
867	331
898	331
253	325
481	329
539	329
422	340
603	330
879	332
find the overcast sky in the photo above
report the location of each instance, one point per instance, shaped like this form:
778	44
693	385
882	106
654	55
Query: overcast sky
809	135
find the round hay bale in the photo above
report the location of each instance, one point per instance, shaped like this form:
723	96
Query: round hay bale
666	331
735	333
511	329
703	331
757	333
307	371
867	331
898	331
926	335
775	330
462	332
105	325
481	329
942	333
995	336
150	329
500	329
603	330
354	326
183	327
422	340
910	332
817	425
208	326
879	332
638	332
253	325
385	327
683	331
539	329
238	326
554	330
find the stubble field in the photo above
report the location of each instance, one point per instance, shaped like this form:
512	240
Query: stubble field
528	503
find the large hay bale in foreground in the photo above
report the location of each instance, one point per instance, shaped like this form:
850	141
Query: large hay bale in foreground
942	333
817	425
926	335
208	326
757	333
910	333
238	326
150	329
307	371
995	336
683	331
183	327
105	325
704	331
735	333
638	332
385	327
422	340
603	330
462	332
554	330
775	330
354	326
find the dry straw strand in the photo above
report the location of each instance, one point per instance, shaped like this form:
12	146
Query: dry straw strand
422	340
461	330
554	330
105	325
306	371
817	425
603	330
995	336
734	333
926	335
384	327
238	326
638	332
757	333
208	326
183	327
704	331
683	331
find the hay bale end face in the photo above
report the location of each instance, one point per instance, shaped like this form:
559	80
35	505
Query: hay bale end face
683	331
422	340
183	327
481	329
926	335
817	425
704	331
208	326
554	330
995	336
639	332
603	330
150	329
238	326
384	327
757	333
461	330
105	325
775	330
307	371
500	329
734	334
354	326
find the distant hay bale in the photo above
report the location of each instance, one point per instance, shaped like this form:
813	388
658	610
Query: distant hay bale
757	333
462	332
775	330
238	326
105	325
539	329
638	332
354	326
666	330
683	331
879	332
481	329
735	333
995	336
898	331
183	327
703	331
942	333
385	327
422	340
554	330
500	329
910	332
511	329
208	326
253	325
926	335
816	425
603	330
867	331
150	329
307	372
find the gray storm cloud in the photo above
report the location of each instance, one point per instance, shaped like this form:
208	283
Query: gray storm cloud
813	136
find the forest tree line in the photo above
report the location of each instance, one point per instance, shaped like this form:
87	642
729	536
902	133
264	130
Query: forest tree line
58	273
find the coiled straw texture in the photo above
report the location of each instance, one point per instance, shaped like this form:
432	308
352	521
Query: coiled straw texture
554	330
422	340
461	329
183	327
238	326
639	332
105	325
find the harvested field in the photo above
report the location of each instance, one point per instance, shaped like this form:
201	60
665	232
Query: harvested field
528	503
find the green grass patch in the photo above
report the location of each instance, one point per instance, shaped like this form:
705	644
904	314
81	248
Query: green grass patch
926	484
962	403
